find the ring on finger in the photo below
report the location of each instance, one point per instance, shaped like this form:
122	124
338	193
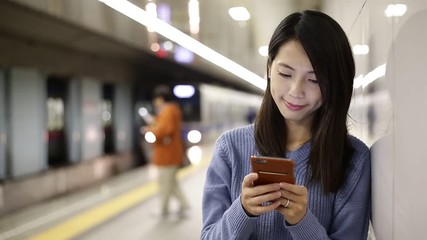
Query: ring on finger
287	203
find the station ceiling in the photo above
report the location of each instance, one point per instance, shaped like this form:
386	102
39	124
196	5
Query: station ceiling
35	34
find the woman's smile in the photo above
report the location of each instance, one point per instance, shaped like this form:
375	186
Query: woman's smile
294	107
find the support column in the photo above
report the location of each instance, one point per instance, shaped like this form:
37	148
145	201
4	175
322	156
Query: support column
73	123
91	121
122	118
3	118
27	122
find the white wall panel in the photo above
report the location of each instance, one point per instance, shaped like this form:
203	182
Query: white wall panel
410	106
73	121
28	143
92	133
122	117
2	124
399	100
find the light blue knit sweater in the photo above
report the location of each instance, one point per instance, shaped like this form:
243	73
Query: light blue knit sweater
343	215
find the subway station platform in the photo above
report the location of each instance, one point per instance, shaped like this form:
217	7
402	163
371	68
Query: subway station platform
123	207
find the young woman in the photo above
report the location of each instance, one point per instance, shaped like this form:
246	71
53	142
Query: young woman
303	116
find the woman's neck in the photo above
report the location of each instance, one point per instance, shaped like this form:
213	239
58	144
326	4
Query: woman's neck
297	136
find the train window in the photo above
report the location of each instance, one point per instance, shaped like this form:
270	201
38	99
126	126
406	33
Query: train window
107	118
107	108
191	107
56	94
55	114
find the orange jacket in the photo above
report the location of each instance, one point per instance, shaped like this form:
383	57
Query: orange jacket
168	148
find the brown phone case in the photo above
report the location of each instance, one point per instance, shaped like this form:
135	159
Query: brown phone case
273	170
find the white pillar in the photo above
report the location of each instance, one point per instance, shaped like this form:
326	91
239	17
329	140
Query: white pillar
2	124
73	123
27	122
92	135
122	114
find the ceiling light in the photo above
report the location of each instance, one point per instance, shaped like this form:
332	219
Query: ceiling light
395	10
263	51
155	47
168	45
194	16
239	13
360	49
139	15
363	81
183	55
184	91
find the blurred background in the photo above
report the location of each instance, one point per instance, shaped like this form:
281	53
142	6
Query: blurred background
76	78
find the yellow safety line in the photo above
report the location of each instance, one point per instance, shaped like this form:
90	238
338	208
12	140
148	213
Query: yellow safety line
87	220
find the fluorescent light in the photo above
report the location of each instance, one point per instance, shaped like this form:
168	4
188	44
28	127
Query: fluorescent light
155	47
194	136
168	45
395	10
164	12
363	81
194	16
263	51
194	153
150	137
357	82
184	91
239	13
151	9
360	49
139	15
183	55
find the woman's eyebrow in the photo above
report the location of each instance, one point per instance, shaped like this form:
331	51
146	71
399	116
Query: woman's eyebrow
288	66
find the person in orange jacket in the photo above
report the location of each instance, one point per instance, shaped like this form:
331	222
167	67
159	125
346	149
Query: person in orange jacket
168	148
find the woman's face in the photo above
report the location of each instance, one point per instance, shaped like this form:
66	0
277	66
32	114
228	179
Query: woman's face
294	86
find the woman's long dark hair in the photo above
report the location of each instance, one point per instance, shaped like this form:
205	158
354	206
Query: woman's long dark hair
330	54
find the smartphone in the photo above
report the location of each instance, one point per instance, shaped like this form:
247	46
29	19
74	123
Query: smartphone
273	169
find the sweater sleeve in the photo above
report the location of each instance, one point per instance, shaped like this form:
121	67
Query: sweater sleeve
223	218
353	206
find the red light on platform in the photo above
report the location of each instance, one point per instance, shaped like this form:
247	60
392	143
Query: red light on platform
161	53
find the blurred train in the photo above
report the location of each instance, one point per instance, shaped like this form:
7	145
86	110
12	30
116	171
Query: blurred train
208	111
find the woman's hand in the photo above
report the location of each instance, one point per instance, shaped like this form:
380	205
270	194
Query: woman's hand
253	197
293	202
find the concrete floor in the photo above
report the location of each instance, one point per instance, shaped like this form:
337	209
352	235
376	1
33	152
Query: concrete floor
74	216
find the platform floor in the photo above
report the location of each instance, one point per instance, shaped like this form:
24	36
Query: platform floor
124	207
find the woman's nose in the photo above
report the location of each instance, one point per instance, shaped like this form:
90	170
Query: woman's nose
297	88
